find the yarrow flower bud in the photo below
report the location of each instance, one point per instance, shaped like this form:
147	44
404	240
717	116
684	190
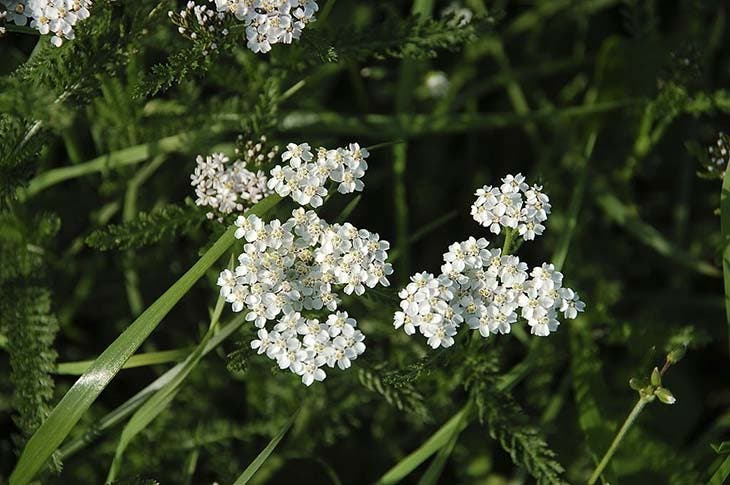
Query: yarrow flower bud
57	17
305	176
515	205
296	267
484	288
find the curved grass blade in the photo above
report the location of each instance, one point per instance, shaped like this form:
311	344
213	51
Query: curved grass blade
622	215
88	387
432	475
437	441
251	469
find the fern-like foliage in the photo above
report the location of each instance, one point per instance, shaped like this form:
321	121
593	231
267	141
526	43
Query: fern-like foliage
178	66
413	38
26	318
148	228
509	425
403	397
31	329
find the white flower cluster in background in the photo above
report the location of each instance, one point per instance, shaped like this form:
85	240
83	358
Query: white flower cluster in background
49	17
227	188
200	23
305	176
269	22
514	205
298	266
487	290
719	156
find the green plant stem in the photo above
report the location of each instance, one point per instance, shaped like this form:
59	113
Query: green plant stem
129	212
725	237
617	440
401	207
509	235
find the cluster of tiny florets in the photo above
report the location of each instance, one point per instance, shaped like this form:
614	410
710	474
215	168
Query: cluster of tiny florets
295	267
56	17
227	188
265	22
200	23
305	176
719	156
488	290
269	22
514	205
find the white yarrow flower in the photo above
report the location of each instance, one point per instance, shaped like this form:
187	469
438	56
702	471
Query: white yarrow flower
287	269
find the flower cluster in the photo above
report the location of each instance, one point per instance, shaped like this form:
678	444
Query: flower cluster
56	17
200	23
228	188
305	177
295	267
269	22
719	156
488	290
514	205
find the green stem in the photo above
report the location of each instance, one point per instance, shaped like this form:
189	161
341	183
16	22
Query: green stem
129	211
725	233
326	11
401	207
509	235
617	440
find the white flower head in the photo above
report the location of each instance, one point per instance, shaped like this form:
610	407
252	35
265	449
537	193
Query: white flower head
290	269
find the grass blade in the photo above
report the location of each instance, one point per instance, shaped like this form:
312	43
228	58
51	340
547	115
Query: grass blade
623	216
138	360
88	387
721	474
251	469
432	475
437	441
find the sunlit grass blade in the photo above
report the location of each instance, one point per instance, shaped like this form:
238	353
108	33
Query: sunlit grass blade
721	474
437	441
88	387
648	235
251	469
138	360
